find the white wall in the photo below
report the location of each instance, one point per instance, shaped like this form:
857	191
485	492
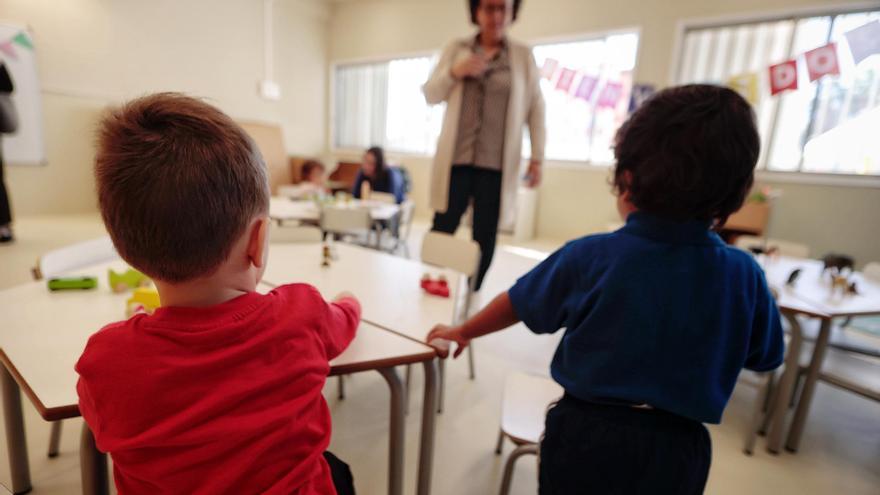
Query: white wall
575	198
94	52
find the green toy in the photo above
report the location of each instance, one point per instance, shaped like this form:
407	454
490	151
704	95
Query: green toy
72	283
130	279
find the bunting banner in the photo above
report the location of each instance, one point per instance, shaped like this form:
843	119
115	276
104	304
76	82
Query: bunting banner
610	95
746	85
7	47
783	77
8	50
822	61
640	94
586	88
549	68
864	41
566	77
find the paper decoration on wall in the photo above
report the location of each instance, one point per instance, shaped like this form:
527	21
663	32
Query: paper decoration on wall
640	93
864	41
8	50
566	77
783	77
746	85
549	68
822	61
610	95
7	47
586	87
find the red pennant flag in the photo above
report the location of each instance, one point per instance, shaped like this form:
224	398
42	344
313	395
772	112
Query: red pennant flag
549	68
783	77
566	77
610	95
7	48
586	87
822	61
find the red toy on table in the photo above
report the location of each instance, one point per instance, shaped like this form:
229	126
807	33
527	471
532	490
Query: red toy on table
437	287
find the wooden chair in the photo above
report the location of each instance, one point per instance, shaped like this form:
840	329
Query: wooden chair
523	410
295	234
64	260
462	256
786	248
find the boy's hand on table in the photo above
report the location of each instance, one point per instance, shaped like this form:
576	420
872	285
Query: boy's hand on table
441	336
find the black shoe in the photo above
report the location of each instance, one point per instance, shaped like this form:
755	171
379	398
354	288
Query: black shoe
6	236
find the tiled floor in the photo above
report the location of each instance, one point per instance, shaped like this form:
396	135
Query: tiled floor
840	452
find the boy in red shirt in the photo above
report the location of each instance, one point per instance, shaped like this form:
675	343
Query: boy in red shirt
219	391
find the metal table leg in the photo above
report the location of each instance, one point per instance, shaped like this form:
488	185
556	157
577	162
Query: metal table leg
396	431
803	406
16	443
93	465
782	395
426	448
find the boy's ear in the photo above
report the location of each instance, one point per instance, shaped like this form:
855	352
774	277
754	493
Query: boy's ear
257	239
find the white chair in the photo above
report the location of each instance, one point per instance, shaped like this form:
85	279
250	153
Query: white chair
523	410
344	221
295	234
407	213
872	271
462	256
60	261
786	248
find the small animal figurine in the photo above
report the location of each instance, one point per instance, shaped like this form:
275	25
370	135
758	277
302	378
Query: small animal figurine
130	279
852	289
144	299
792	277
839	283
325	256
840	262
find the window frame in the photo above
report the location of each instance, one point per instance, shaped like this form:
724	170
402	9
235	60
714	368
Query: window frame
531	42
790	14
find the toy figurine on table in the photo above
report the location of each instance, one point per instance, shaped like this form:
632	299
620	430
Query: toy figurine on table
143	300
439	287
130	279
840	267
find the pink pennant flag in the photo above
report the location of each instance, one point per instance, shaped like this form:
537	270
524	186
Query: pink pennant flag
566	77
783	77
610	95
864	41
822	61
586	87
549	68
7	48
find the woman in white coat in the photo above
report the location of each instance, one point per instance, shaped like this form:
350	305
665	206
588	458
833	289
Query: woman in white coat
491	86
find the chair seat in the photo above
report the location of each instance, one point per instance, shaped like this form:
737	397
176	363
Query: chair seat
524	406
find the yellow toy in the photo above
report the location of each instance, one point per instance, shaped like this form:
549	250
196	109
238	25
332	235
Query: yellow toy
144	300
130	279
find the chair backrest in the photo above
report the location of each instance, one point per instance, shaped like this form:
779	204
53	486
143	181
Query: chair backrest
295	234
524	405
345	220
75	256
872	270
786	248
446	251
383	197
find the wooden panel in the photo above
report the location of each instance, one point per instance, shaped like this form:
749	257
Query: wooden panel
270	141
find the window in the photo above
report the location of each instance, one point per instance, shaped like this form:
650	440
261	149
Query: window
382	104
824	126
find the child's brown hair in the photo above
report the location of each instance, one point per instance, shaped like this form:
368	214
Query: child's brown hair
178	183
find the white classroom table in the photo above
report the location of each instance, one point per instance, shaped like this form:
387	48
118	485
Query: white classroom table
387	286
810	296
45	332
284	209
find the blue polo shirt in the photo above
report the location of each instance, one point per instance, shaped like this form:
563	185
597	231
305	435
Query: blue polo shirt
659	312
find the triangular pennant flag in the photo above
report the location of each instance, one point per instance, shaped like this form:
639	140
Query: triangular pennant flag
586	87
640	93
783	77
7	48
549	68
822	61
23	40
566	77
610	95
746	85
864	41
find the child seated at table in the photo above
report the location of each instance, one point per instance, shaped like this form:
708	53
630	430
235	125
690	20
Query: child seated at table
312	181
219	391
659	316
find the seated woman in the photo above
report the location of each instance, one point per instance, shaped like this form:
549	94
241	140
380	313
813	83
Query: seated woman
312	181
381	178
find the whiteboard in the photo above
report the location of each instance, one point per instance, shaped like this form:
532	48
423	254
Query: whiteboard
26	146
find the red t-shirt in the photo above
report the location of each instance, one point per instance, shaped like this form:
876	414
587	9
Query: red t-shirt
225	399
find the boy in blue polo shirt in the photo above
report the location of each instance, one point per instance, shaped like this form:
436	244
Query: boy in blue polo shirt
660	316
